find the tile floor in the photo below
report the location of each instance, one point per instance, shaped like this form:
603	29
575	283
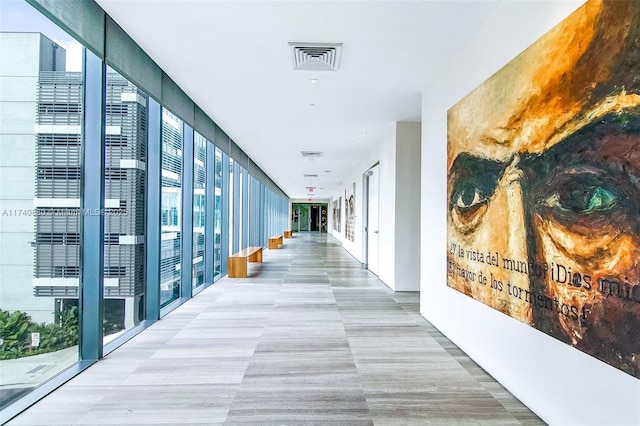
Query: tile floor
310	338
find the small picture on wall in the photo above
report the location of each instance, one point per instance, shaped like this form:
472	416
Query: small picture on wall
337	207
350	212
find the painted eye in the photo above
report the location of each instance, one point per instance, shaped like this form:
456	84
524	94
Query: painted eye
584	200
469	197
472	180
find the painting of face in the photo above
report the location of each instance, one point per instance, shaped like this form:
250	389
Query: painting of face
544	185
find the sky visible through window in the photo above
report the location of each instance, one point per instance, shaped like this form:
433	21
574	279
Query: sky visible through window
19	16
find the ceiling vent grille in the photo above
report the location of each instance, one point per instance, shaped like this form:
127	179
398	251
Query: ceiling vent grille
311	154
310	176
316	56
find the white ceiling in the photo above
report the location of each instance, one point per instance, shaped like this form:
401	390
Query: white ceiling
232	58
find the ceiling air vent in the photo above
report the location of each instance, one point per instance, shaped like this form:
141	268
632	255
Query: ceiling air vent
316	56
310	176
311	154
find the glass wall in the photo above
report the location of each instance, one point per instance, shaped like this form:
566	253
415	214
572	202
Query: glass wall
254	213
93	209
124	202
171	208
241	207
233	200
199	208
218	214
244	208
309	217
41	106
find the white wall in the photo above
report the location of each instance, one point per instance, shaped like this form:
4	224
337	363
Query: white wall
387	209
384	153
407	206
398	154
561	384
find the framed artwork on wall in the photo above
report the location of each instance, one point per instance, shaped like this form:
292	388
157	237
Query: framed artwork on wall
337	204
350	212
544	185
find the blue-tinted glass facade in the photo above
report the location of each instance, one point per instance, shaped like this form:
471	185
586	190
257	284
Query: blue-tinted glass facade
117	222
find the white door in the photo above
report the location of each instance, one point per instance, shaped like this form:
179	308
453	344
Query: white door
373	179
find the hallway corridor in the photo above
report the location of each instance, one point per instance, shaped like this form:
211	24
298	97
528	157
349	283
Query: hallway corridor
309	338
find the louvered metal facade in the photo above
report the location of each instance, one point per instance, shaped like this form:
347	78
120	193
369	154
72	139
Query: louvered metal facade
58	182
125	174
171	206
58	179
199	207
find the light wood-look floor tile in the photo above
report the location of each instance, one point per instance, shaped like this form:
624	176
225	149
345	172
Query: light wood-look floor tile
309	338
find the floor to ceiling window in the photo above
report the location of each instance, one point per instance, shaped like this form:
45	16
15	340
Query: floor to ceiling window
218	214
199	208
124	219
254	212
98	191
41	109
171	207
232	208
244	210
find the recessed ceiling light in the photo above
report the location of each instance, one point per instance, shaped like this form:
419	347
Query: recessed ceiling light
313	80
364	133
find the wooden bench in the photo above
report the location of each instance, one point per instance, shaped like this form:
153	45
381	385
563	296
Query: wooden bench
238	261
274	242
288	234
